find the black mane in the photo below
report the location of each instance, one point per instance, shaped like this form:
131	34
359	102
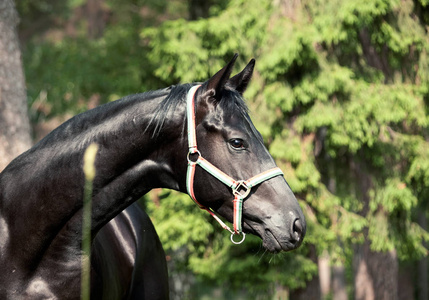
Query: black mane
231	102
176	96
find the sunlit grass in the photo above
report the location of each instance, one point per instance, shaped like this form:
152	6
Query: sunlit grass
89	170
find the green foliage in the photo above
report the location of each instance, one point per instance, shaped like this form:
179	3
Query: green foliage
181	222
192	51
70	74
390	221
116	70
41	13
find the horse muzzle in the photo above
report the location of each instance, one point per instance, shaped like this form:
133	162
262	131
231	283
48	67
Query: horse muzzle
279	232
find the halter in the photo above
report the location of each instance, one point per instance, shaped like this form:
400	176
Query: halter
240	188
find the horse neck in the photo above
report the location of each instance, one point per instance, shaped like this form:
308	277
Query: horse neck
42	190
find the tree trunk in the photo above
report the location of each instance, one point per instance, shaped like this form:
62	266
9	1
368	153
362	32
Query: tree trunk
376	273
363	285
199	9
372	57
422	266
339	289
14	124
324	267
96	16
312	289
406	282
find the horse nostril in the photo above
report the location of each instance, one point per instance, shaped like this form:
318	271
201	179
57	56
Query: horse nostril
297	230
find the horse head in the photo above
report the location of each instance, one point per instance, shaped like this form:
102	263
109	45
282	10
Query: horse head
231	153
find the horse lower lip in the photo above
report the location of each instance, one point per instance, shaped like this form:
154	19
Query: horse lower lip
272	244
269	241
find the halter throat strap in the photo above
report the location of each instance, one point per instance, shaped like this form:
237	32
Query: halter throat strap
240	188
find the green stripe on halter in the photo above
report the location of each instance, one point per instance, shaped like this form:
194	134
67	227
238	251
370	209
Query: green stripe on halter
218	174
264	176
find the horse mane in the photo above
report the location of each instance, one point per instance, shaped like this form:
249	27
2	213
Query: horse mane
231	102
176	96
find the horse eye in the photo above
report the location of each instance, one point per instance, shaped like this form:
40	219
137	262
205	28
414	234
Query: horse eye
237	143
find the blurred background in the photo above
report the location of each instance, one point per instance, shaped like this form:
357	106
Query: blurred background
340	94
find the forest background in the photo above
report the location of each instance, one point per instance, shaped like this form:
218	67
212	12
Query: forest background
340	94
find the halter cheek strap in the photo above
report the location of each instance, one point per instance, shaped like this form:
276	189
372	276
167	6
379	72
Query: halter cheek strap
240	188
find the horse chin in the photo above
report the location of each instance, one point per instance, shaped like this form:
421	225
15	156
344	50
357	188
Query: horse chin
273	245
269	240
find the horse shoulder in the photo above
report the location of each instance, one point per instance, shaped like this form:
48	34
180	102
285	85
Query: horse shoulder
128	259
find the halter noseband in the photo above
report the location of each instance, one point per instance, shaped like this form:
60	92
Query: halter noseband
240	188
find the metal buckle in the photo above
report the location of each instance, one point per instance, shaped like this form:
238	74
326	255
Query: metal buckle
193	153
239	242
241	189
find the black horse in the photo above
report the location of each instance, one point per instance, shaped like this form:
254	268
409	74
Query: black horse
142	145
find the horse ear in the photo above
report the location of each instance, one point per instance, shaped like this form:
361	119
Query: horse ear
218	81
240	81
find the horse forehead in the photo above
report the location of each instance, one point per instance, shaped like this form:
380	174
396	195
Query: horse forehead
242	121
232	118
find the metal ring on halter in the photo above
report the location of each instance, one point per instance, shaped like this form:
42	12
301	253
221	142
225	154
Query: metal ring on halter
239	242
189	159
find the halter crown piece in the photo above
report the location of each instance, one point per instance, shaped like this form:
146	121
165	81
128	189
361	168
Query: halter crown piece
240	188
